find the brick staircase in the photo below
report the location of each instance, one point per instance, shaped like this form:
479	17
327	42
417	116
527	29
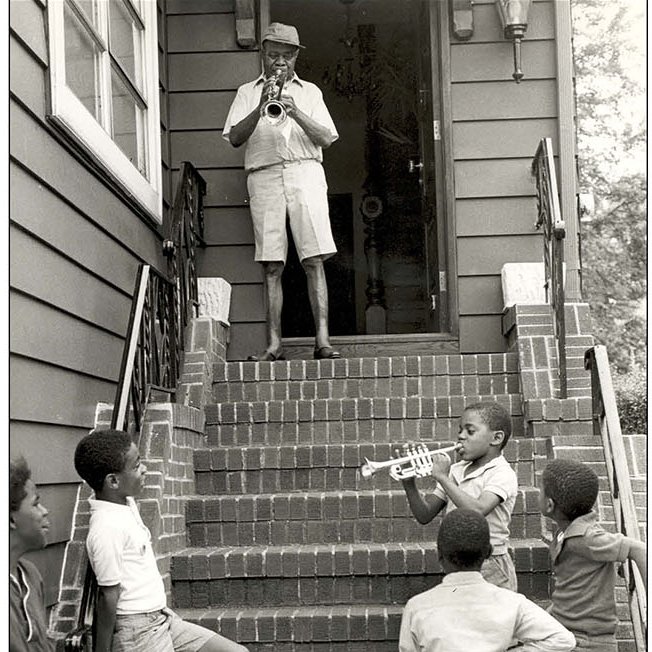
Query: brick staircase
290	549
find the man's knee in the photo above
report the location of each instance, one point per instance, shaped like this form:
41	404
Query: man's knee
312	264
273	270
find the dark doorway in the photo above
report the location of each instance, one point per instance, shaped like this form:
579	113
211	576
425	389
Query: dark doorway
372	61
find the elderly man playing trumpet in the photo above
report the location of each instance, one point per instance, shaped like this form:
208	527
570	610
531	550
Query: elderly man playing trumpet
285	124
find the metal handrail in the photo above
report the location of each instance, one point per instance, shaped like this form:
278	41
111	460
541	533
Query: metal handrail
161	308
554	232
606	424
151	359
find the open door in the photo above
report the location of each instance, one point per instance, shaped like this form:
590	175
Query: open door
429	166
376	63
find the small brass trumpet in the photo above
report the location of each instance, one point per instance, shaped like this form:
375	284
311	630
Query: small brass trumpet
273	111
417	463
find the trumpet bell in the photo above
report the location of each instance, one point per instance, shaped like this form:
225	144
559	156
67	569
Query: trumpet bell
273	113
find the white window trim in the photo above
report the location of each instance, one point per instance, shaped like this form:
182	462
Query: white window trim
70	114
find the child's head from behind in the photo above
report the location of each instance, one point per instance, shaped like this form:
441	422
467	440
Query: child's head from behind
463	541
28	518
485	429
568	486
109	462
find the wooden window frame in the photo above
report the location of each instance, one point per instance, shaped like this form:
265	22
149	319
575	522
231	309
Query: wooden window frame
69	114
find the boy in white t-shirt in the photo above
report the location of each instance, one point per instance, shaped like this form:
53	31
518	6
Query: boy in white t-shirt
132	612
483	481
467	614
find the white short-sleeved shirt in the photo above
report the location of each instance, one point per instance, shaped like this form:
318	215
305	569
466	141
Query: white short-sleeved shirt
269	145
465	613
120	551
496	476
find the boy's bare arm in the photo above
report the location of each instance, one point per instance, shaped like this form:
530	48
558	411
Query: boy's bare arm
107	601
424	508
638	555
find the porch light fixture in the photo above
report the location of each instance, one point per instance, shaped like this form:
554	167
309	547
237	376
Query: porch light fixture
513	17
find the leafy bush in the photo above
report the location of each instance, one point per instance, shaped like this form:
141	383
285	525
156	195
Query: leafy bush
631	397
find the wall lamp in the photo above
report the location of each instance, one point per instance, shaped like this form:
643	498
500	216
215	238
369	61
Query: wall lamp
513	17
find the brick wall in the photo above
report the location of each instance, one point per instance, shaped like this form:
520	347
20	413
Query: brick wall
169	434
566	425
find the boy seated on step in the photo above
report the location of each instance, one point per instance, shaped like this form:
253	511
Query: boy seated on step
28	527
132	613
583	555
483	481
465	612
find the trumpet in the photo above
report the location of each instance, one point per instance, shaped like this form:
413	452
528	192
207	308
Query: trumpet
273	111
416	464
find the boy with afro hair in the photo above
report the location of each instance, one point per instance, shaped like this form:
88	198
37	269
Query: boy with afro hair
132	612
465	613
583	555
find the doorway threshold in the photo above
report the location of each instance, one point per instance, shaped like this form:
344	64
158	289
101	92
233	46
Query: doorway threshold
375	346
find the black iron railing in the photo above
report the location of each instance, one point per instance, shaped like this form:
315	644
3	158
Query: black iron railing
606	425
550	219
161	309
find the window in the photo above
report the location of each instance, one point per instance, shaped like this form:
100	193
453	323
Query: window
104	88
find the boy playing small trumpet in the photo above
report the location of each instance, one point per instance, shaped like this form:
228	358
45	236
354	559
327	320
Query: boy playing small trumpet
482	481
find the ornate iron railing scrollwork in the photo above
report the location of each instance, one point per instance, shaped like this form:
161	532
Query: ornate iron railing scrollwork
186	234
606	425
162	307
151	359
550	220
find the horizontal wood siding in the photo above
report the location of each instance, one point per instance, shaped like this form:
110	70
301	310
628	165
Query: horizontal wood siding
206	67
75	245
496	127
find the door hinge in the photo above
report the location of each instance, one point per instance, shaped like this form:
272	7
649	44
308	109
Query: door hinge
436	130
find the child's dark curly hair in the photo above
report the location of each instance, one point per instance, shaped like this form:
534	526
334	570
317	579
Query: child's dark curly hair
572	485
99	453
495	416
19	474
463	538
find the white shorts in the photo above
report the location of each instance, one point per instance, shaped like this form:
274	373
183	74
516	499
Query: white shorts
298	190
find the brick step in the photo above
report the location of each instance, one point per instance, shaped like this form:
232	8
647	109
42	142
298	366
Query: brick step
325	517
338	628
355	627
365	377
369	367
328	574
271	469
345	420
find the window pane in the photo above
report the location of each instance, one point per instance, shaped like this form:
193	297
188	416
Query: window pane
124	41
128	123
90	9
82	63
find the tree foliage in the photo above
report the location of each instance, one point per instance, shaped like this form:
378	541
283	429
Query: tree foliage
609	42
